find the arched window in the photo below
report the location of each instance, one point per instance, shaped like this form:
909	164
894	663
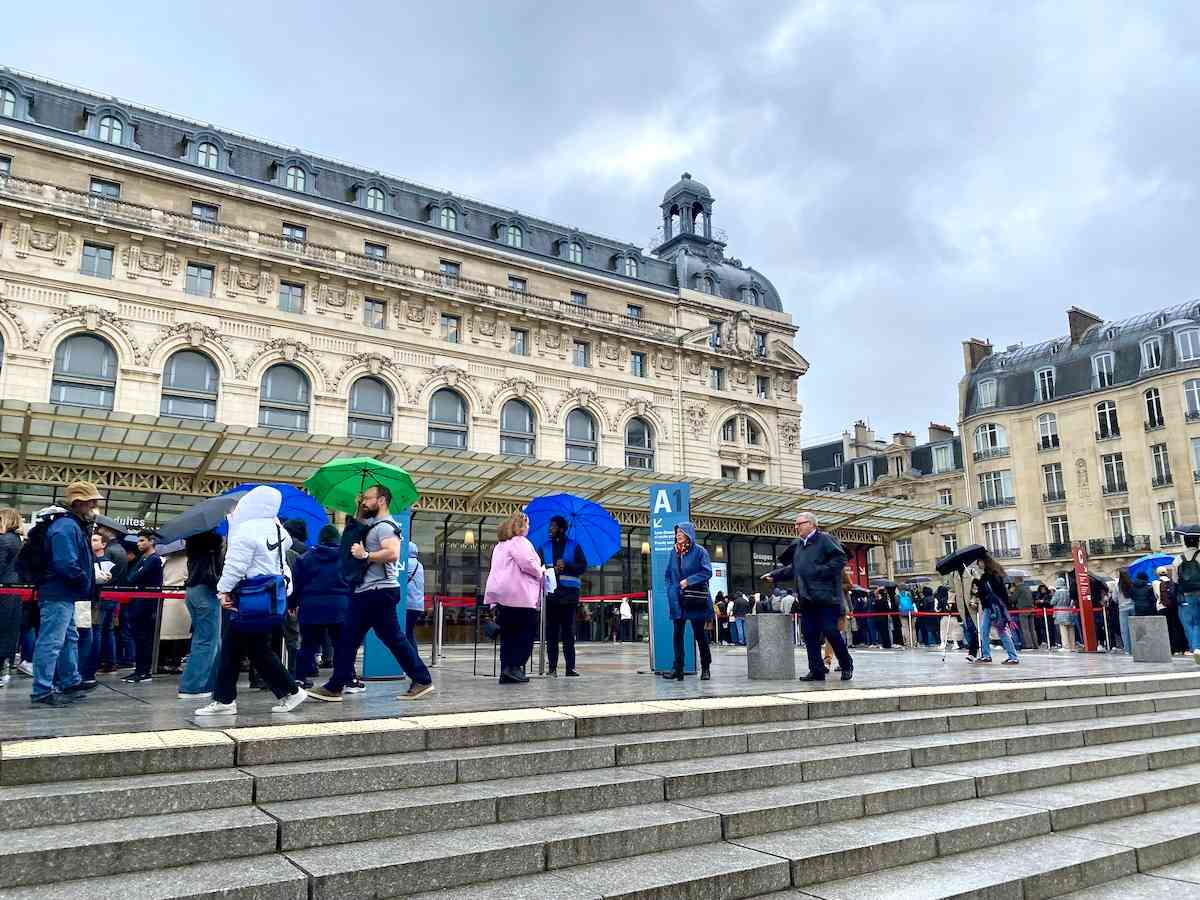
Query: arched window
296	178
754	435
111	130
707	285
990	436
631	267
1047	431
698	223
207	155
1154	413
190	387
639	445
516	429
729	431
581	437
370	410
449	219
375	199
575	252
8	103
85	372
515	237
283	400
448	420
1106	420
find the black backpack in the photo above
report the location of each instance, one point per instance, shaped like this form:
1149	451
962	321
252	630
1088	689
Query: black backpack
1188	577
33	559
352	570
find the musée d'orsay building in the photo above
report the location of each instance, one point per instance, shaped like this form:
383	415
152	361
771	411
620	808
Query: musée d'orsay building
184	309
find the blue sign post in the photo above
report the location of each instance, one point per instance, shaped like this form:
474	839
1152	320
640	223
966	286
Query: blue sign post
669	506
378	661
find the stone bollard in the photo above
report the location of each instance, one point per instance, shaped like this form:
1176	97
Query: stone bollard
1151	640
770	655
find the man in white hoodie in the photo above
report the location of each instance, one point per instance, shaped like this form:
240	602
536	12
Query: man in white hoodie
257	545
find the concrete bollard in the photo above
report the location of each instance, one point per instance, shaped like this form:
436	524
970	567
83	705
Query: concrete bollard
770	654
1151	640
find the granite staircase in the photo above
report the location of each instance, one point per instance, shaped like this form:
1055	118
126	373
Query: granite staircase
1019	790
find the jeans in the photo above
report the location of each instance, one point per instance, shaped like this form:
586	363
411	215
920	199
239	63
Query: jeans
1189	617
738	630
1126	638
698	635
143	615
312	641
560	624
821	623
108	635
126	648
517	626
411	618
257	645
56	653
89	640
375	611
986	621
200	673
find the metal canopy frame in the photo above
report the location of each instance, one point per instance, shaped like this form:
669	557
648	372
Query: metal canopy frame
49	444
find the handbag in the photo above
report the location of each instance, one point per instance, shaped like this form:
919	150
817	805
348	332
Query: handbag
261	599
695	599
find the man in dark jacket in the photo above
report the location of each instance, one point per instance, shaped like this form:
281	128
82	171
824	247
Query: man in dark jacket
146	575
563	603
70	577
817	562
321	597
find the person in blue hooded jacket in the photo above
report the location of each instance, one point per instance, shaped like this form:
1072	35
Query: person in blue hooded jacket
688	572
322	597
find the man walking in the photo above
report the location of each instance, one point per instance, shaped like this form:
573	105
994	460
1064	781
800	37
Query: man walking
146	575
817	564
373	605
65	576
562	604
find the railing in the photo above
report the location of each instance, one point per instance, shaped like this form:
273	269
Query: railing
1054	496
1050	551
991	453
1170	540
1132	543
1161	481
1110	435
1047	443
1119	487
997	502
1007	553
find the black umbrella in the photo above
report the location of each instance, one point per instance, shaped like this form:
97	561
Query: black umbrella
111	524
880	581
1187	529
960	559
204	516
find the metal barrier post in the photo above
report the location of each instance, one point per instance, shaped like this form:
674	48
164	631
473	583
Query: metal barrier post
436	654
158	617
1107	636
1049	636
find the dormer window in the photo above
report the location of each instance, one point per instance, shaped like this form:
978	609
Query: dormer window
1110	334
8	103
707	286
514	236
373	199
1104	370
630	267
575	252
208	156
1189	345
449	219
296	179
1043	380
111	130
986	393
1151	354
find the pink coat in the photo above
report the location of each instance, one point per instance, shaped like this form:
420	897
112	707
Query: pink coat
515	578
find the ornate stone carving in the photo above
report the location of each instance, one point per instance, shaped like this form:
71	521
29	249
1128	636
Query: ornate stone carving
290	350
585	398
1081	477
487	327
164	266
237	281
197	334
92	317
614	353
697	418
336	301
17	322
519	386
453	376
789	434
45	241
248	281
551	339
664	362
375	364
416	313
695	367
58	243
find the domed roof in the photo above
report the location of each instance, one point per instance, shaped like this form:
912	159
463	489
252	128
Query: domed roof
687	184
730	278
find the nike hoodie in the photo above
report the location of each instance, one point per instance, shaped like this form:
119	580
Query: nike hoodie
256	540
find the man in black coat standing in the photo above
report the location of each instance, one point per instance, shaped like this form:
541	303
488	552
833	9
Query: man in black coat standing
817	562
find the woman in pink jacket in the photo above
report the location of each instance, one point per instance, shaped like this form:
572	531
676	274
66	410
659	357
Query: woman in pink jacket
514	587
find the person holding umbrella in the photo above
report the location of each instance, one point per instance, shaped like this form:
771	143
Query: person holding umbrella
993	611
689	571
562	604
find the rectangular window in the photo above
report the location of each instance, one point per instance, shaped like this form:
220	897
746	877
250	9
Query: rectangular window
1168	518
374	313
1052	481
451	328
1196	457
762	387
716	378
1044	381
987	394
291	297
295	234
863	473
904	557
730	472
205	212
520	342
1058	529
1151	354
5	165
714	339
837	460
945	497
1104	370
579	298
1113	466
1189	345
949	544
517	284
760	343
1162	464
199	280
756	476
943	459
1121	522
1001	539
996	488
581	354
637	364
633	311
375	251
97	260
109	190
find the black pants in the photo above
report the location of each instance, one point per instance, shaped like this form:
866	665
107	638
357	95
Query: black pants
312	641
819	623
375	611
256	645
517	627
411	618
560	624
883	630
143	616
701	641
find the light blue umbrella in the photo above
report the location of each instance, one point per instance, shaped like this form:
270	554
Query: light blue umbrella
589	525
1149	563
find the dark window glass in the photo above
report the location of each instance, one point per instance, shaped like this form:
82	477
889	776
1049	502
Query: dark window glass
291	297
639	445
97	260
109	190
370	410
190	387
374	313
520	341
85	372
284	398
581	437
447	420
204	212
199	280
516	429
375	251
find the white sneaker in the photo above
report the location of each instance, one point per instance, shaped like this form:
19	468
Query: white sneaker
1196	656
25	667
291	701
207	695
218	709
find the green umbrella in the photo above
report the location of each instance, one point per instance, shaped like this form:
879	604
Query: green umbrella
337	484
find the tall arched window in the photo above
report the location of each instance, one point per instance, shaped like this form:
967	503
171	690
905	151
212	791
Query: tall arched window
582	446
729	431
283	400
1107	425
575	252
515	237
754	435
370	410
296	178
8	103
517	436
449	219
190	387
639	445
207	155
448	420
85	372
111	130
630	267
375	199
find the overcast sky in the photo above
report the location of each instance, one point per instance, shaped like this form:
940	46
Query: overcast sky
907	174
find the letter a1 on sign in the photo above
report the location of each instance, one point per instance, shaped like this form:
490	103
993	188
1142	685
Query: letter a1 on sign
669	505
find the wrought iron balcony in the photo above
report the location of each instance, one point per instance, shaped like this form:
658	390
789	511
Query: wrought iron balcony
997	502
1162	480
1115	487
1050	551
1132	543
1170	540
991	453
1007	553
1110	434
1054	496
1049	442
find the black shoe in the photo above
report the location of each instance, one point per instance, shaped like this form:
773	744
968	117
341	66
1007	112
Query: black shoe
571	673
673	675
705	675
55	700
847	674
811	677
82	688
552	673
137	679
512	676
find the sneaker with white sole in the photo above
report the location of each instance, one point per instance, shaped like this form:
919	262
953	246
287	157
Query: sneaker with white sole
416	692
25	667
207	695
355	687
218	709
291	701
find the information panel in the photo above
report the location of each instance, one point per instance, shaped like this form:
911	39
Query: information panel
669	505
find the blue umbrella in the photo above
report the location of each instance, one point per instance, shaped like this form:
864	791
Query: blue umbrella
296	505
589	524
1149	563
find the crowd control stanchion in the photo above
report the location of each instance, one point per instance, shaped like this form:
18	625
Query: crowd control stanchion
542	629
1046	625
437	631
1107	636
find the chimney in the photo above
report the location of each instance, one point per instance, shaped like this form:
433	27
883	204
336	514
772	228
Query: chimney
904	439
938	433
862	434
975	351
1080	320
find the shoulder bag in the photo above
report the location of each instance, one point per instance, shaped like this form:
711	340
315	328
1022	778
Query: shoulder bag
261	599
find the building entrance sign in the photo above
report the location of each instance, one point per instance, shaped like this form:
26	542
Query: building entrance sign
669	506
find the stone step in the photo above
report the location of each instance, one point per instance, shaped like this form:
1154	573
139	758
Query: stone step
43	760
1160	838
1140	887
401	867
717	871
58	852
249	878
67	802
357	817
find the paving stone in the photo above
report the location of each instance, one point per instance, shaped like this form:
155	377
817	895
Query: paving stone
389	772
740	710
1160	838
112	755
592	720
325	740
537	758
505	726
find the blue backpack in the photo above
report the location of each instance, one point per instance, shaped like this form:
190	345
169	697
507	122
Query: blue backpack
261	600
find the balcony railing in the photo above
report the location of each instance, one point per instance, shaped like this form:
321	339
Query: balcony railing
1162	480
1054	496
1006	553
1110	434
1170	540
1155	425
242	240
1116	487
991	453
1049	442
1050	551
1192	415
997	502
1132	543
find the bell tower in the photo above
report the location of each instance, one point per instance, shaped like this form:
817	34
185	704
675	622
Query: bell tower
687	218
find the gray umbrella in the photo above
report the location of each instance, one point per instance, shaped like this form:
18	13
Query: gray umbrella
204	516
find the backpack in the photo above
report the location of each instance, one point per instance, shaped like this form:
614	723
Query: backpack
1188	577
352	570
33	559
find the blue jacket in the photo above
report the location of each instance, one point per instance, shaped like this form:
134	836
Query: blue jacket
321	594
574	565
696	567
71	573
416	580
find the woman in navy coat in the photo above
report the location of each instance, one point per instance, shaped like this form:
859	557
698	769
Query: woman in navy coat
688	572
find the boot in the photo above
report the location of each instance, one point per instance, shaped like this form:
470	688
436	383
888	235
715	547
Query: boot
705	675
673	675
